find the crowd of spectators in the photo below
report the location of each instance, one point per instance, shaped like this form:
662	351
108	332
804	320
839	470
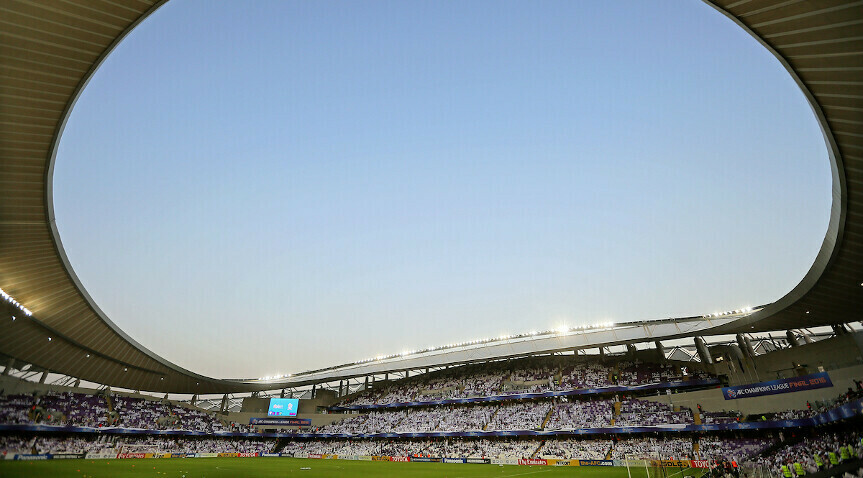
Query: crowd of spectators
634	412
114	410
532	375
15	409
548	414
641	448
85	443
811	454
731	449
573	414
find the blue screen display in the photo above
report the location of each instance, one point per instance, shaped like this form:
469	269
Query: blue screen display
283	407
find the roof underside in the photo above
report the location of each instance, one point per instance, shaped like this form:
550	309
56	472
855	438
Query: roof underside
49	50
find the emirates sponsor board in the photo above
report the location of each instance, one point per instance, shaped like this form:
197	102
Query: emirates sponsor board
315	456
400	458
533	461
135	455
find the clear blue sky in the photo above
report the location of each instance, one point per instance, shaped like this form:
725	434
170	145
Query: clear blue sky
252	188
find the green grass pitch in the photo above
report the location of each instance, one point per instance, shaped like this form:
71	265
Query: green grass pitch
294	467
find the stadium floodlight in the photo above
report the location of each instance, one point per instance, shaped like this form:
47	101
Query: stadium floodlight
14	302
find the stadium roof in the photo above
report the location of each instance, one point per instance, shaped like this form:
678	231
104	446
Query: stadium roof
49	51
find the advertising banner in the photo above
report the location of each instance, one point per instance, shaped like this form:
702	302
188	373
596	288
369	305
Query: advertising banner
246	455
315	456
67	456
366	458
671	463
281	421
425	459
478	461
135	455
271	455
595	463
453	460
400	458
206	455
700	464
533	461
32	457
563	462
784	385
227	455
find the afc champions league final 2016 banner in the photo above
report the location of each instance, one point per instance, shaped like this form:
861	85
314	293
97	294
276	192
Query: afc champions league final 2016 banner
281	421
785	385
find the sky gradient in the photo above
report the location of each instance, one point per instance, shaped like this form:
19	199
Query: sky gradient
257	188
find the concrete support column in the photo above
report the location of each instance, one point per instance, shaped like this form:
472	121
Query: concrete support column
44	376
9	365
660	351
703	353
749	347
792	339
224	403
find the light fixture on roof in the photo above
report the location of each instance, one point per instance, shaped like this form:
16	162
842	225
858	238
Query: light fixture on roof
49	339
88	355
